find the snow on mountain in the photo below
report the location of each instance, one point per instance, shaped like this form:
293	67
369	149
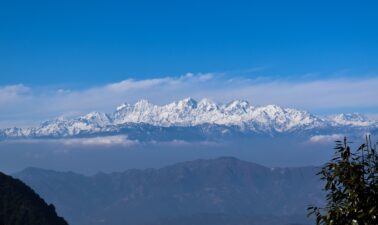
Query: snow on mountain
16	132
281	120
236	107
188	112
96	118
94	121
354	119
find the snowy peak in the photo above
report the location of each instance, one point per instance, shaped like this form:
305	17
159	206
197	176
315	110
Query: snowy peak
123	106
284	119
237	107
143	105
189	112
98	118
206	105
354	119
187	103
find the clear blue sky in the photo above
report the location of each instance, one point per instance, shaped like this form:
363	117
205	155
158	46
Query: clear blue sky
96	42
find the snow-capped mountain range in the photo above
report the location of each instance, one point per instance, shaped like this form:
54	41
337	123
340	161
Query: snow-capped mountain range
204	118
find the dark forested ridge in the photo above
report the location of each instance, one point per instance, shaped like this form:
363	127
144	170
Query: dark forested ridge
20	205
223	191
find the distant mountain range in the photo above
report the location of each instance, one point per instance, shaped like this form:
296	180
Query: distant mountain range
213	192
189	119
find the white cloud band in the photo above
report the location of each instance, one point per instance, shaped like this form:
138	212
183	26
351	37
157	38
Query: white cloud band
21	103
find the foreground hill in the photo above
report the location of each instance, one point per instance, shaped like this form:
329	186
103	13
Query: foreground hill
20	205
219	191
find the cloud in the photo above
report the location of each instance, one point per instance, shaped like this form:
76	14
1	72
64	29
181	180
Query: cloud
12	93
132	84
120	140
110	141
333	95
102	141
326	138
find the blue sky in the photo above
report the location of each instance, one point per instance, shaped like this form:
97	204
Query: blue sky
94	42
55	51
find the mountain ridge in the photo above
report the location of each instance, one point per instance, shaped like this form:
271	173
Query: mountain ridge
227	186
189	113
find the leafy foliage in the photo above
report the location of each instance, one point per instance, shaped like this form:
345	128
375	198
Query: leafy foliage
351	183
20	205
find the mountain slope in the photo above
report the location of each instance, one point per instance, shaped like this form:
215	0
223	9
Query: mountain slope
201	188
20	205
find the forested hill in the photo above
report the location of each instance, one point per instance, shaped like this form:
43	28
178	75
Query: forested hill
20	205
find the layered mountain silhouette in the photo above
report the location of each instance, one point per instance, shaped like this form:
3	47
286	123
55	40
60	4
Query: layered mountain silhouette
213	192
20	205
